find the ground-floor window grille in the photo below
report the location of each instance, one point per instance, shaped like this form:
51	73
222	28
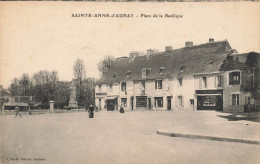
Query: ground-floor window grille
158	102
124	102
235	99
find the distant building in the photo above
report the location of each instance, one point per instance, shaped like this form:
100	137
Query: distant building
210	76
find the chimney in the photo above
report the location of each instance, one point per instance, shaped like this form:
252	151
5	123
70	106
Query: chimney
168	48
132	55
149	53
211	40
188	44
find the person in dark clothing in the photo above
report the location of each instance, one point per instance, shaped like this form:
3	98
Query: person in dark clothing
17	111
29	110
122	109
91	111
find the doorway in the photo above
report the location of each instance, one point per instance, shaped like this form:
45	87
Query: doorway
169	103
149	103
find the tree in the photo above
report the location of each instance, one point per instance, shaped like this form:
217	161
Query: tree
105	64
79	73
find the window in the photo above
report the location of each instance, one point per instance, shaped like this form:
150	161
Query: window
235	99
158	84
110	87
128	73
161	70
218	81
234	78
144	73
180	81
247	99
180	101
123	87
204	82
99	88
158	102
141	101
143	84
124	102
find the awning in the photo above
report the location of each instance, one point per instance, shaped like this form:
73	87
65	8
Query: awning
111	97
21	104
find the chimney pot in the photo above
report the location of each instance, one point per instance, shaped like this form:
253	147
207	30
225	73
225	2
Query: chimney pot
211	40
168	48
188	44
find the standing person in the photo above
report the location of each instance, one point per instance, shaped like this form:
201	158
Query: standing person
29	110
91	111
17	111
122	109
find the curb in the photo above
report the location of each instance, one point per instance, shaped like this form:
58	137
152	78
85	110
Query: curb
208	137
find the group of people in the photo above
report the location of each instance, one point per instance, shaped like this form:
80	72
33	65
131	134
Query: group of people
17	109
91	111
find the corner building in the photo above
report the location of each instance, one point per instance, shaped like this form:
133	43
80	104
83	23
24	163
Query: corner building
210	76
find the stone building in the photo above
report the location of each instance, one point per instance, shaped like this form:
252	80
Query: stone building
195	77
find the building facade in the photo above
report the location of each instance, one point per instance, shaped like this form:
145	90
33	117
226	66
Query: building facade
210	76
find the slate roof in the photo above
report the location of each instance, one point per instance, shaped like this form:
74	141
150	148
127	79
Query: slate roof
196	59
241	61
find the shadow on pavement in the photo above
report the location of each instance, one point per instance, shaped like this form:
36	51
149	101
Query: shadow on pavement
254	117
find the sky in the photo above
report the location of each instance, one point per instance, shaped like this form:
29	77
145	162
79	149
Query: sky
38	36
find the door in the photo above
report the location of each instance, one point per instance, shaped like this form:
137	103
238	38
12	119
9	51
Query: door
99	104
169	103
149	103
110	105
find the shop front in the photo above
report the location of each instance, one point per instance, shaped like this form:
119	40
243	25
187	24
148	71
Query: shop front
209	99
112	103
141	101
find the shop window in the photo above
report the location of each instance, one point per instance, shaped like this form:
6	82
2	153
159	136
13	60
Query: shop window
158	84
158	102
209	101
124	102
235	99
234	78
141	101
123	87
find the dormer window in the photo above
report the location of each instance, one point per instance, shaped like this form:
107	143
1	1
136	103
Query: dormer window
128	73
161	70
145	72
114	76
182	67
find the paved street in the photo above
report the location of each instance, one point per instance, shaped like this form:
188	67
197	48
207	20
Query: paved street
112	137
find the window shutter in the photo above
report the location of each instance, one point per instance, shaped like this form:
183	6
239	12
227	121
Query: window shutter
200	82
230	97
222	81
176	101
182	101
215	81
155	84
230	79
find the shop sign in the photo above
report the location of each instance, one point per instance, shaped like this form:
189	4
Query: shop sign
218	91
